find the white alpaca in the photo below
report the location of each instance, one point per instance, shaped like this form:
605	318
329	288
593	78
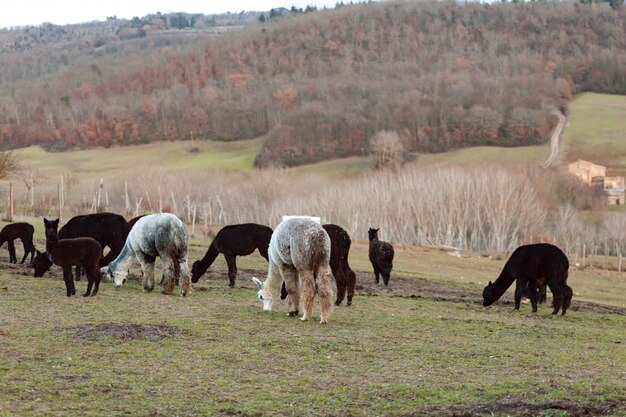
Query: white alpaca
299	253
163	235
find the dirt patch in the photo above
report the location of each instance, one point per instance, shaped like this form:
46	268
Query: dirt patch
553	408
123	331
400	286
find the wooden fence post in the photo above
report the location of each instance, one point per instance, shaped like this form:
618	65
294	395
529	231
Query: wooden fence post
10	201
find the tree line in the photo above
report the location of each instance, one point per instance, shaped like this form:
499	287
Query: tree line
441	75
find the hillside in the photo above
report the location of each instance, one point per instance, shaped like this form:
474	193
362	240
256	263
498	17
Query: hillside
443	76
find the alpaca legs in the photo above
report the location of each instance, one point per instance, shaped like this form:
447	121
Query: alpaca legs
93	278
11	248
520	285
186	277
386	276
341	280
307	282
351	276
69	281
557	295
325	291
147	272
28	248
567	300
232	270
290	279
377	274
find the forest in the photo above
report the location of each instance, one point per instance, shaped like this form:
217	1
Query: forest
319	85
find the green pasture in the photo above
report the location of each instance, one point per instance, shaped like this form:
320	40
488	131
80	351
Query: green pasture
126	352
597	130
205	154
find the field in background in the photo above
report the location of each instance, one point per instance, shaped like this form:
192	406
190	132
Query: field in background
597	131
112	162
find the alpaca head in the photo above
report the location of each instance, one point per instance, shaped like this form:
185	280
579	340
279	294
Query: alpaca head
488	295
195	272
117	277
41	263
263	295
51	227
372	234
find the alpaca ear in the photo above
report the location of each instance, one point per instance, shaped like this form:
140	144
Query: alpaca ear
258	282
38	252
490	284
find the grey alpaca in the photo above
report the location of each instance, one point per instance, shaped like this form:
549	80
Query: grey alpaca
160	234
299	254
381	256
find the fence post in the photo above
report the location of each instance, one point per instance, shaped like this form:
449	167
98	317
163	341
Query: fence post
10	201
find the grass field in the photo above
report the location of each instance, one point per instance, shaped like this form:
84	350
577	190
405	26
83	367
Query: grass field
425	346
597	130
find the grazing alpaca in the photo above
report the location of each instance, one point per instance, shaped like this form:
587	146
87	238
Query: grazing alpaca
232	241
529	265
344	275
163	235
339	249
22	231
299	254
381	256
66	253
109	229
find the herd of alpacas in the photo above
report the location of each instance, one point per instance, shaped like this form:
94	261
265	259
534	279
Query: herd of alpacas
304	259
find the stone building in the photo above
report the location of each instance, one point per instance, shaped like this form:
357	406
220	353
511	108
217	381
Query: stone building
595	175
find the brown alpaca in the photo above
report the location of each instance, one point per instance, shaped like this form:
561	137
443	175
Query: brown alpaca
299	254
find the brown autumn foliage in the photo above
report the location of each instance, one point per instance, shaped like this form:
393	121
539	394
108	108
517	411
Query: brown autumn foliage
442	75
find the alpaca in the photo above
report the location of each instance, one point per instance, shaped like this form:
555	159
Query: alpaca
299	254
109	229
84	251
381	256
232	241
529	265
160	234
344	275
22	231
339	249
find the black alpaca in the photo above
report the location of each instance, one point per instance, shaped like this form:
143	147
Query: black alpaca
22	231
109	229
339	250
530	266
84	251
381	256
232	241
344	275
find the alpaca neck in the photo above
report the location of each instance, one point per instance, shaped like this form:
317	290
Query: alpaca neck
209	257
52	243
124	260
504	281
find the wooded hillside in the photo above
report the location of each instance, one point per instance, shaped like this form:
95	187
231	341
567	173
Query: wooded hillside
441	75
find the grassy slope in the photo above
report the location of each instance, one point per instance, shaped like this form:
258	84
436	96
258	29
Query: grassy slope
596	130
238	155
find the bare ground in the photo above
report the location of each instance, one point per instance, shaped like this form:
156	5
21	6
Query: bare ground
400	286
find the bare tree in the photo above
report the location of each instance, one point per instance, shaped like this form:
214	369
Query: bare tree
10	164
386	149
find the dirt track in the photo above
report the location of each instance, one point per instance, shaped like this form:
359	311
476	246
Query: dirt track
398	287
404	287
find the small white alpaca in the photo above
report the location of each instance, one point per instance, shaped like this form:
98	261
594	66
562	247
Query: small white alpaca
160	234
299	254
